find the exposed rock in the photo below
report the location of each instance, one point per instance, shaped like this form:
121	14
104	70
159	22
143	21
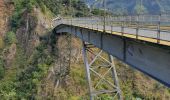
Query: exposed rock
43	22
5	11
9	55
35	25
26	34
76	50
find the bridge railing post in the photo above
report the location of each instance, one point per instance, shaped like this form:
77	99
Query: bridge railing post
151	21
142	21
122	25
87	70
111	21
115	77
159	28
92	21
84	20
137	26
97	24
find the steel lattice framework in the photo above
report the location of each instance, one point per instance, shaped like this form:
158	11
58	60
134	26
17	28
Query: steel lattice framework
101	73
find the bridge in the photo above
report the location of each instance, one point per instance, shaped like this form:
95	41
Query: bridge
142	42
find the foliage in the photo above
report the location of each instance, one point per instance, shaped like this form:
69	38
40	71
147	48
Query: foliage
140	9
8	82
22	82
29	79
43	7
106	97
2	70
16	20
76	8
7	90
24	4
21	6
10	38
98	12
1	43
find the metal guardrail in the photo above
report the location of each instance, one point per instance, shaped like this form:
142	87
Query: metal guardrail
151	26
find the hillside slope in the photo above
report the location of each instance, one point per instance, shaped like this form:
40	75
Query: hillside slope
131	6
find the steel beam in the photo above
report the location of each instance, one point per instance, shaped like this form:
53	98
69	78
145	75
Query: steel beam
93	70
149	58
115	77
87	70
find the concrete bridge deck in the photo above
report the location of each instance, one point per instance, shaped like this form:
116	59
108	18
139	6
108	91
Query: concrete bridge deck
144	49
159	34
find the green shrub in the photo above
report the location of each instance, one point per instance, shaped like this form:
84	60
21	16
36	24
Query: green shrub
10	38
2	70
43	7
16	20
105	97
1	43
21	6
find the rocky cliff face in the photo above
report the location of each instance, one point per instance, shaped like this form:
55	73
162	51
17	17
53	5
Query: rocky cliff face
26	34
35	24
6	9
7	53
3	19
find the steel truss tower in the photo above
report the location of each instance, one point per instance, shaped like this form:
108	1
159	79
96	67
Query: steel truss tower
101	73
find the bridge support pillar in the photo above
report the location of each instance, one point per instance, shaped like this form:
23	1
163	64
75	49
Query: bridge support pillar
100	73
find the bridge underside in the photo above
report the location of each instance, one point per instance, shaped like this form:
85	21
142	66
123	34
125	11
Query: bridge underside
149	58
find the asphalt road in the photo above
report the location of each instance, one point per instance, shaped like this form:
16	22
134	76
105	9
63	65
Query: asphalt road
150	33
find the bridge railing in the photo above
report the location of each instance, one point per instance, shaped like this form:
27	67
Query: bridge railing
142	20
157	26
